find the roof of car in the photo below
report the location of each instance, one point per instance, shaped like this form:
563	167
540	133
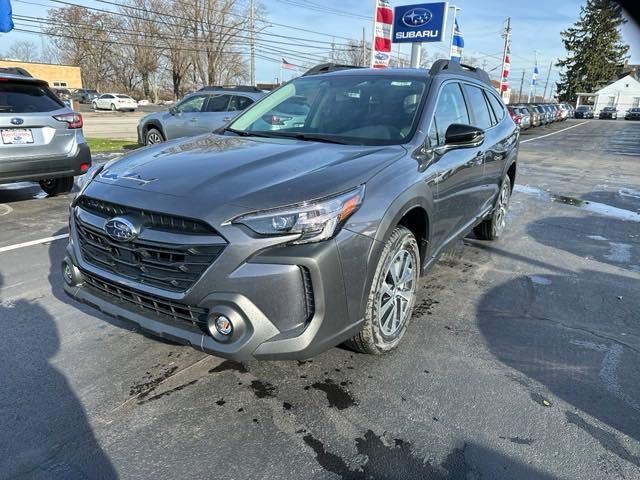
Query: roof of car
439	67
20	78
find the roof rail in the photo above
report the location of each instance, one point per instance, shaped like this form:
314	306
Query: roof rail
15	71
447	66
328	68
233	88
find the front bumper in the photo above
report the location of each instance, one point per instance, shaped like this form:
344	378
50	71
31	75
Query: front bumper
34	169
285	302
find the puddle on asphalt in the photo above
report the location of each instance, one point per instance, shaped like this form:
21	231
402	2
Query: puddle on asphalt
593	207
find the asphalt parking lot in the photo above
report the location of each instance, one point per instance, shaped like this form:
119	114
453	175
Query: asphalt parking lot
522	360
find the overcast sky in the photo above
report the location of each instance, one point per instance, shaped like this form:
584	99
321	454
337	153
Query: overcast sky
535	26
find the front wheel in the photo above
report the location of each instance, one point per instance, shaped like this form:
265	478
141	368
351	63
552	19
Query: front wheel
392	295
57	186
153	136
493	227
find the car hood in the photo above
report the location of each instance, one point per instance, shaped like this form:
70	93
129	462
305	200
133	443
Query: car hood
257	173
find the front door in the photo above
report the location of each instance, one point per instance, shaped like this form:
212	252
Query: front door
183	120
216	113
457	172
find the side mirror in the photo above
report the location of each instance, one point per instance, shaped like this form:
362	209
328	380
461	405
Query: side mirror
463	136
172	110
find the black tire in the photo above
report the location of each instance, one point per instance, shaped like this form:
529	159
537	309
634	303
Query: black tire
372	339
493	227
151	136
113	107
57	186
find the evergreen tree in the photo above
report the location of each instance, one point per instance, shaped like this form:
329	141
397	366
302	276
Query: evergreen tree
594	49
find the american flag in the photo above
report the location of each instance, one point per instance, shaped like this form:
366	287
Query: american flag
288	66
382	35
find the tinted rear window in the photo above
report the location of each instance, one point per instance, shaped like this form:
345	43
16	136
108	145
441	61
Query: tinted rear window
123	96
21	98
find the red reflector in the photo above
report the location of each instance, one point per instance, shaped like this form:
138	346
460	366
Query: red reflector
84	167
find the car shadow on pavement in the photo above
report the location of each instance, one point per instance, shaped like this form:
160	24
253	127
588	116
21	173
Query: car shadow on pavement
607	240
573	336
44	431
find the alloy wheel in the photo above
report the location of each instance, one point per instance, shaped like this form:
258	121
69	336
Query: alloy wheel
502	207
396	294
153	138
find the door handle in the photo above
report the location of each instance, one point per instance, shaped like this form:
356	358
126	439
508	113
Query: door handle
193	120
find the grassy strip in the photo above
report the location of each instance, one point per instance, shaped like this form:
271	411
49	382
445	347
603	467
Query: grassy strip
110	145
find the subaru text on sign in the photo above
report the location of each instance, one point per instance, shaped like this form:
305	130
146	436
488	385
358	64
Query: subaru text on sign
419	23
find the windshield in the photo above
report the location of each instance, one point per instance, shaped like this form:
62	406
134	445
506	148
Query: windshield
609	109
359	110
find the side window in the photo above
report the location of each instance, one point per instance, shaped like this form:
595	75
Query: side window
192	104
450	109
479	108
496	105
239	103
218	103
106	96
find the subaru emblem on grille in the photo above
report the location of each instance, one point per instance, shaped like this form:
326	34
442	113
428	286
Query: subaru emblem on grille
16	121
121	229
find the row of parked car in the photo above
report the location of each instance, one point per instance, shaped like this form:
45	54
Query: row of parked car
529	115
607	113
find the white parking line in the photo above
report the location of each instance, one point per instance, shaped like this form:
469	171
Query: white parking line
33	242
553	133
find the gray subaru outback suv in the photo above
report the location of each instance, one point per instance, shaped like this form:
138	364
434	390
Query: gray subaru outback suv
279	244
40	138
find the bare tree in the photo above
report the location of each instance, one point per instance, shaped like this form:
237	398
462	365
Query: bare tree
85	39
22	50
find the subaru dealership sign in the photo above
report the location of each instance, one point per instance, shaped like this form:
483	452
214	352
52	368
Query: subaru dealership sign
419	23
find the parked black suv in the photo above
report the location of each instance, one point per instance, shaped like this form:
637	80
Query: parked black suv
273	244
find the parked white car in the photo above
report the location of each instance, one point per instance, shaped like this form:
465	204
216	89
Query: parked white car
114	101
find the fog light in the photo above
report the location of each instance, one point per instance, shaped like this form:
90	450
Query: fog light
224	325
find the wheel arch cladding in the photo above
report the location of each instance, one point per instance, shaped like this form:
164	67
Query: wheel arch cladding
153	124
417	221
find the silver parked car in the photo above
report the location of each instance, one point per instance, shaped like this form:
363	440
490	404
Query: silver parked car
40	138
201	112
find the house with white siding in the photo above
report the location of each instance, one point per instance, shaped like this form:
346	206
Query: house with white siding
622	94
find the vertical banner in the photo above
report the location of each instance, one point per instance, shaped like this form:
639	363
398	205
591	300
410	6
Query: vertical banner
6	20
457	43
381	51
504	84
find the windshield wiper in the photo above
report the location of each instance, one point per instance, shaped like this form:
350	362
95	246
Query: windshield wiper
313	137
245	133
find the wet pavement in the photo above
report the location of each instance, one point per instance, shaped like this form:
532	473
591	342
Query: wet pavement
522	359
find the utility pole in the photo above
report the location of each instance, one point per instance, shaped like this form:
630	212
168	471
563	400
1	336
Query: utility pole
546	84
507	39
252	41
333	50
521	84
364	47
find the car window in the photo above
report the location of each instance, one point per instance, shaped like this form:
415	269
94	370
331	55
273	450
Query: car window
192	104
353	109
239	103
451	108
124	96
21	98
496	106
218	103
478	106
106	95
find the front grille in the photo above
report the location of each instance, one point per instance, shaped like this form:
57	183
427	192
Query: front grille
157	221
167	266
150	303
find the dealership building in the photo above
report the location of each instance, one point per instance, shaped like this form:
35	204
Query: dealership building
622	94
62	76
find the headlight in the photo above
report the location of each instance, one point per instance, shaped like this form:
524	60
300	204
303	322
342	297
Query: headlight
313	221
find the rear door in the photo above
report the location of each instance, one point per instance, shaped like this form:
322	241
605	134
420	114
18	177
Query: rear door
217	112
490	153
185	118
457	171
28	128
